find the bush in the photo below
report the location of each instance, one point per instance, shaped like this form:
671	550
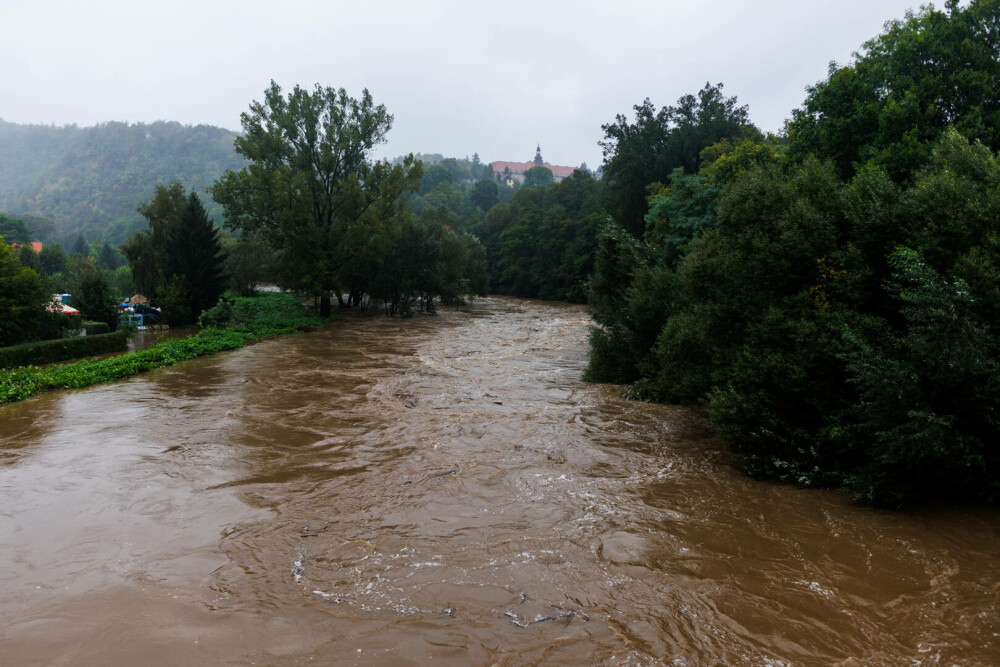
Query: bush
259	317
219	315
61	349
96	328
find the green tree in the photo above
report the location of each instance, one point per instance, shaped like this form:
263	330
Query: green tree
14	230
484	194
93	297
648	150
122	283
538	176
932	70
29	258
53	259
146	250
108	258
24	296
80	247
311	180
193	260
247	263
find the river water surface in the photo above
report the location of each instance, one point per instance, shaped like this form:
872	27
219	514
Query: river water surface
445	490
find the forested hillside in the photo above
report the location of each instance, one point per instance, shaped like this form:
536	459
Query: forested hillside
91	180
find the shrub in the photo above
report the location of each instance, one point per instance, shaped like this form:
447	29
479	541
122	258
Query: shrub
96	328
61	349
219	315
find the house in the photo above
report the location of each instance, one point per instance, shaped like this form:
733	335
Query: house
35	245
509	173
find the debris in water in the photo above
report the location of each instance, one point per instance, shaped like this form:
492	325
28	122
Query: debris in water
572	612
298	568
568	615
407	400
515	619
330	597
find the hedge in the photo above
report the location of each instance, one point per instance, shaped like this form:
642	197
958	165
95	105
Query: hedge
95	328
258	317
61	349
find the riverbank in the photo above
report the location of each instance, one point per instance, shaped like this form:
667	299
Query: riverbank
249	320
448	490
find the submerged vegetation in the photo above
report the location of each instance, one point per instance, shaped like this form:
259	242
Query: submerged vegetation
830	294
252	319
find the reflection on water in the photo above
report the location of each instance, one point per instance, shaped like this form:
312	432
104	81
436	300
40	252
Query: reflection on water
446	489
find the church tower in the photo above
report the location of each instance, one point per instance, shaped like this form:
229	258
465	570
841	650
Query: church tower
538	156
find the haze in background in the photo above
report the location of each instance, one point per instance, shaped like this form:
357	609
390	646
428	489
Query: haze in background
460	77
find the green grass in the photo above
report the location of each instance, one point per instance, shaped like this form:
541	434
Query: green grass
257	317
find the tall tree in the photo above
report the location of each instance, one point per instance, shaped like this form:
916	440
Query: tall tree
23	297
53	259
247	262
80	248
538	176
929	71
648	150
92	295
311	180
484	194
146	250
193	259
108	258
14	230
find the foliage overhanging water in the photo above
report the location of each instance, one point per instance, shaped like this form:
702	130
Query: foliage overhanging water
447	489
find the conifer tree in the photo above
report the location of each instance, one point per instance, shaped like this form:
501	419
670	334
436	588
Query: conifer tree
194	260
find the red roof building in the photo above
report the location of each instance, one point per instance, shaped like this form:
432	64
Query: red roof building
513	172
35	245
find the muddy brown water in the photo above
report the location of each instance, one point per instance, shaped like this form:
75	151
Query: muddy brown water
447	491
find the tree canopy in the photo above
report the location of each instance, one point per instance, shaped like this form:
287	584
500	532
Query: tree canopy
648	150
929	71
311	188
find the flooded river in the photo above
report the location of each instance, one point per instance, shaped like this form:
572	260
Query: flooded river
447	491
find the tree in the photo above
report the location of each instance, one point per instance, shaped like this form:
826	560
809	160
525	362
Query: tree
29	258
146	250
122	283
108	258
193	261
80	247
648	150
23	298
53	259
484	194
14	230
247	262
93	297
311	181
180	250
538	176
926	72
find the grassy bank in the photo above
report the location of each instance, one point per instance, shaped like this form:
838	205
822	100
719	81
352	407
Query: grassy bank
244	321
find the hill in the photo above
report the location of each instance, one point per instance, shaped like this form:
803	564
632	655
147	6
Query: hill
90	180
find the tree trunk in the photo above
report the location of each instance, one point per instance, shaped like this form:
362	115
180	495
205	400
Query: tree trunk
324	306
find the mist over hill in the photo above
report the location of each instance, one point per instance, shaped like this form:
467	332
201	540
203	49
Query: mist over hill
90	180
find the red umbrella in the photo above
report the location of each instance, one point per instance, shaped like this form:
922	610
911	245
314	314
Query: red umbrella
63	308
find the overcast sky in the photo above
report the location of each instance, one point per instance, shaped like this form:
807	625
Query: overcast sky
460	77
